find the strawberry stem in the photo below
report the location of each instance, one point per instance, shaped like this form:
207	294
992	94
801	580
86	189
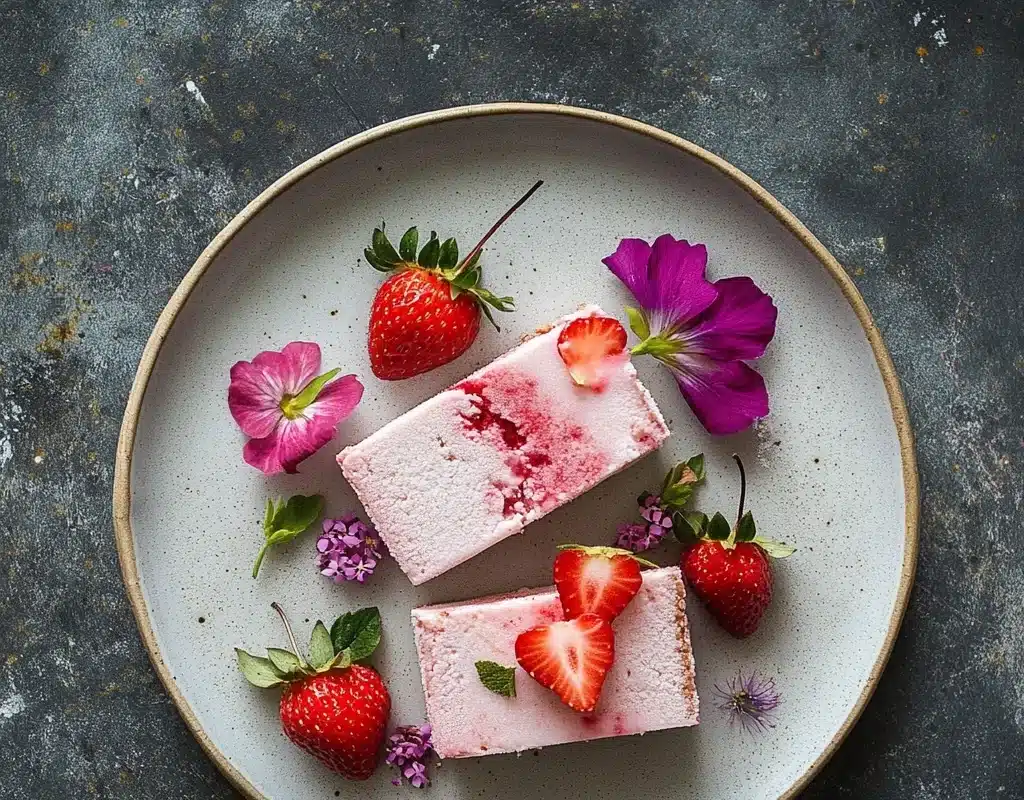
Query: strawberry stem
743	487
496	225
287	627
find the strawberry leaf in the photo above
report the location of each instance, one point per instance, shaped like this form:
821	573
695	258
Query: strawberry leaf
375	262
407	247
472	263
285	661
357	632
431	251
499	679
745	529
321	649
383	248
258	671
449	254
718	528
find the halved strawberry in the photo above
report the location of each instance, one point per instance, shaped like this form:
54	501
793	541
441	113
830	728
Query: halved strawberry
591	347
596	580
571	658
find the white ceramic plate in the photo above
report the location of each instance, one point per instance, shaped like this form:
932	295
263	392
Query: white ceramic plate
832	470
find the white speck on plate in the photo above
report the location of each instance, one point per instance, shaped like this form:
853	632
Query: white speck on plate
192	89
916	19
12	706
433	51
940	37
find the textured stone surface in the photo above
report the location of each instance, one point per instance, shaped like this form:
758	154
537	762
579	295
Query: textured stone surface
130	135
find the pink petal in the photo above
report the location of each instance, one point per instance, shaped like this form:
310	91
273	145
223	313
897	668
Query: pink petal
292	441
726	397
739	324
337	400
257	388
676	274
629	264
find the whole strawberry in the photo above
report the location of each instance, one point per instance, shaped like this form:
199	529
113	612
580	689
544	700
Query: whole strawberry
332	708
428	312
729	568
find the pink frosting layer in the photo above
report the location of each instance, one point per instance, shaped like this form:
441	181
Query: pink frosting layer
502	448
650	687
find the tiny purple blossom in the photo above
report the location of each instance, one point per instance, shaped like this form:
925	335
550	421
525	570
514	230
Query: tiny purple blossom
409	750
749	701
657	523
703	332
347	549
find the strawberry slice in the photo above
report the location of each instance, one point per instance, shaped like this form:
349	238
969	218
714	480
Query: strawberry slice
596	580
571	658
591	348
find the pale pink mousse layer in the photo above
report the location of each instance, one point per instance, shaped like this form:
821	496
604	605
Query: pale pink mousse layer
649	687
502	448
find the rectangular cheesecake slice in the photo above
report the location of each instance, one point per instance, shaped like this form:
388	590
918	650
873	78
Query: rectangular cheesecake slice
649	687
479	461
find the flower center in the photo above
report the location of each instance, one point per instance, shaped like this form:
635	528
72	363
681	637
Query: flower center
292	406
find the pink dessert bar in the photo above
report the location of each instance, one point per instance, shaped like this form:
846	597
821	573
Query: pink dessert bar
502	448
649	687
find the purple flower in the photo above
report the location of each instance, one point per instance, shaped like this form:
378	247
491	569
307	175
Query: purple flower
704	332
656	525
410	751
347	549
749	701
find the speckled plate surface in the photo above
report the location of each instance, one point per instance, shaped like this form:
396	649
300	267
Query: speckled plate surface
831	470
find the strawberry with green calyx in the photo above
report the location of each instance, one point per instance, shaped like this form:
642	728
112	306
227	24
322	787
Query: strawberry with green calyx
331	707
428	312
729	567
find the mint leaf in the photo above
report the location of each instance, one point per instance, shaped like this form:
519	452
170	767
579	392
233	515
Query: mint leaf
358	632
283	521
638	322
407	247
321	649
696	465
745	529
258	671
499	679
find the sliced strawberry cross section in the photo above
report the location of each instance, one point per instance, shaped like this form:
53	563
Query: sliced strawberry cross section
571	658
591	348
596	580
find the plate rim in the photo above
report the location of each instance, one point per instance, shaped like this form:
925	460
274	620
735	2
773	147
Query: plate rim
123	535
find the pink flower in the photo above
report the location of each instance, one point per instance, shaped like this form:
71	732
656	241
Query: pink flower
703	332
288	412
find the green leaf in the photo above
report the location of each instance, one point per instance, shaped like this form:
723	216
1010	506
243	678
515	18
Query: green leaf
472	263
688	528
284	521
321	649
285	661
341	661
745	529
638	322
773	548
358	632
696	465
718	528
383	249
449	254
499	679
293	407
407	247
258	671
431	251
375	262
677	495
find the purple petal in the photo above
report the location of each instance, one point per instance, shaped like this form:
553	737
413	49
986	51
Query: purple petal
291	442
629	264
739	324
676	274
726	397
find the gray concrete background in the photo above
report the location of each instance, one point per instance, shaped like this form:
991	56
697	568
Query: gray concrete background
893	130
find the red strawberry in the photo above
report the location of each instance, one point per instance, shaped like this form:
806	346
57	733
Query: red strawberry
735	584
729	567
590	346
428	313
340	717
571	658
596	580
333	709
415	325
